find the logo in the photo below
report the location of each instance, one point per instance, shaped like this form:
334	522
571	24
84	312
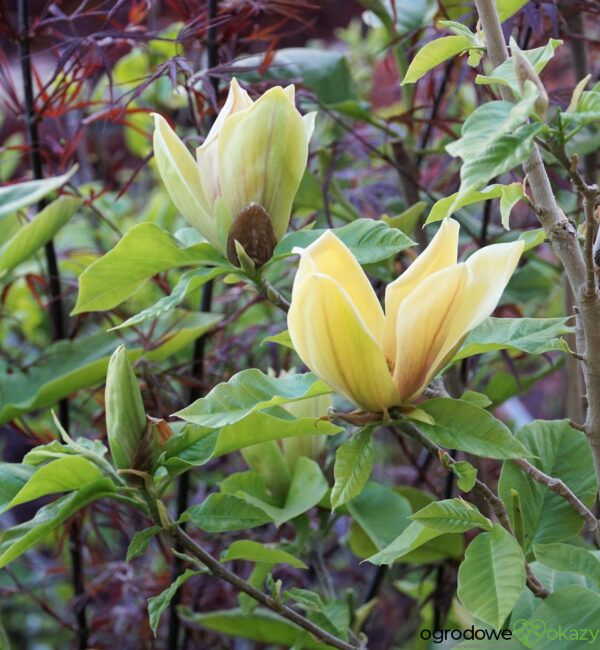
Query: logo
529	632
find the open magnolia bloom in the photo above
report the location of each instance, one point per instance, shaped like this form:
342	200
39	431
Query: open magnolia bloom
253	158
379	360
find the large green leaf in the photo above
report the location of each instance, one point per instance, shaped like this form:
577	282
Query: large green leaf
505	75
307	488
370	241
13	476
18	539
411	538
144	251
494	139
262	625
189	282
566	620
36	233
566	557
219	513
251	551
492	576
531	335
68	366
353	466
324	71
196	445
433	53
451	516
465	426
562	452
61	475
249	391
20	195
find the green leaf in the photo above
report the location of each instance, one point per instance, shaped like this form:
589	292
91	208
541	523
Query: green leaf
370	241
406	221
20	195
565	557
325	72
34	234
18	539
434	53
256	552
566	620
197	445
531	335
61	475
414	536
220	513
464	426
158	604
144	251
71	365
451	516
307	489
562	452
281	338
508	8
492	576
247	392
478	399
504	74
353	466
509	195
263	626
467	475
381	512
13	476
140	541
187	284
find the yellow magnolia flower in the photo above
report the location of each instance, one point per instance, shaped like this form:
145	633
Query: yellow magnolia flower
379	360
255	153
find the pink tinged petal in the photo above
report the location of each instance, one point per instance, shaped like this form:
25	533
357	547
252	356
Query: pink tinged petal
441	252
332	339
263	152
207	155
179	173
329	256
424	322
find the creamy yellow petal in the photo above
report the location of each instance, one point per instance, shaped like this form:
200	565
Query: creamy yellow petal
179	173
440	253
309	123
329	256
207	154
489	270
290	93
333	341
424	322
263	152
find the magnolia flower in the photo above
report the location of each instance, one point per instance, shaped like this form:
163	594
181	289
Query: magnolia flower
253	157
379	360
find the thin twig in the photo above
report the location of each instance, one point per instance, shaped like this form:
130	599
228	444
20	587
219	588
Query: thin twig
559	487
217	569
494	501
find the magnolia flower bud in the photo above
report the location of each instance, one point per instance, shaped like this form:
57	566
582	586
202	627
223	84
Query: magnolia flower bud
125	415
246	172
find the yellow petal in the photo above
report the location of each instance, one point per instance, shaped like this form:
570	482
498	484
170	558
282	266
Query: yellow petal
262	156
441	252
489	270
207	154
309	123
329	256
333	341
290	92
424	322
179	173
